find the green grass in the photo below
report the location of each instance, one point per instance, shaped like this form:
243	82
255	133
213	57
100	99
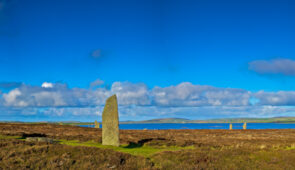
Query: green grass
9	137
145	151
292	147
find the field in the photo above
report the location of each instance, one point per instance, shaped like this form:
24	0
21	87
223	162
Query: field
80	148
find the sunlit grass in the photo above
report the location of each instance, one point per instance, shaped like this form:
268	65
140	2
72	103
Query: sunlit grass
140	150
9	137
292	147
145	151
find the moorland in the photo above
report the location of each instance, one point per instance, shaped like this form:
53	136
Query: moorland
80	148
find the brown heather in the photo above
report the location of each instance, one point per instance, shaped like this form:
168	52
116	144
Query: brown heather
212	149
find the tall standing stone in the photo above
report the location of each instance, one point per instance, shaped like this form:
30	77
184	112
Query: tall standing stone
110	122
230	126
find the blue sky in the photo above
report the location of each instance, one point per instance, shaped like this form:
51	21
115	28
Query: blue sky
188	51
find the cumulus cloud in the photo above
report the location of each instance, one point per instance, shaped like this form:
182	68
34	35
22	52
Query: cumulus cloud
56	96
129	93
275	66
60	95
187	94
11	97
136	100
182	95
280	98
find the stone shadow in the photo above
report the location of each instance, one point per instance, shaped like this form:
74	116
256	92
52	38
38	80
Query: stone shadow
140	143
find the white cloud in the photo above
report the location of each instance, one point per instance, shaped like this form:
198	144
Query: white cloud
129	93
136	99
280	98
11	99
47	85
34	96
187	94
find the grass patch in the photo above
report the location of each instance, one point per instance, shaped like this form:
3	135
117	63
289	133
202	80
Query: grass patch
9	137
290	147
145	151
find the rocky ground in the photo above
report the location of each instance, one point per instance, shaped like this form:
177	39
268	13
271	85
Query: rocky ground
196	149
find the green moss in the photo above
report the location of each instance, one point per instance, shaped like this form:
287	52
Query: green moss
145	151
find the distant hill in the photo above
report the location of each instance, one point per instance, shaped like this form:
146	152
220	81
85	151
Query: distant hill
250	120
165	120
181	120
227	120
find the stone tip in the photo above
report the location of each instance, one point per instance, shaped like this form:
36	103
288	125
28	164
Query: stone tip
112	97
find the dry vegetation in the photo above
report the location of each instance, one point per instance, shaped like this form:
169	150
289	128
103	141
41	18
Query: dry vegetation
208	149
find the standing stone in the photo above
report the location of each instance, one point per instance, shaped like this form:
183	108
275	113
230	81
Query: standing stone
110	122
245	126
230	126
96	124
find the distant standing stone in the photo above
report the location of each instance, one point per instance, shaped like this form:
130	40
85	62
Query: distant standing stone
230	126
110	122
245	126
96	124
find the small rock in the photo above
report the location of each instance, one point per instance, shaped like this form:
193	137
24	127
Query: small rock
39	139
31	139
112	167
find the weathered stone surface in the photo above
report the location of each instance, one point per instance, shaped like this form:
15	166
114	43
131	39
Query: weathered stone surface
110	122
245	126
230	126
96	124
39	139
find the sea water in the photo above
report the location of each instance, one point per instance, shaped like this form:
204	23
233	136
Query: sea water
158	126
